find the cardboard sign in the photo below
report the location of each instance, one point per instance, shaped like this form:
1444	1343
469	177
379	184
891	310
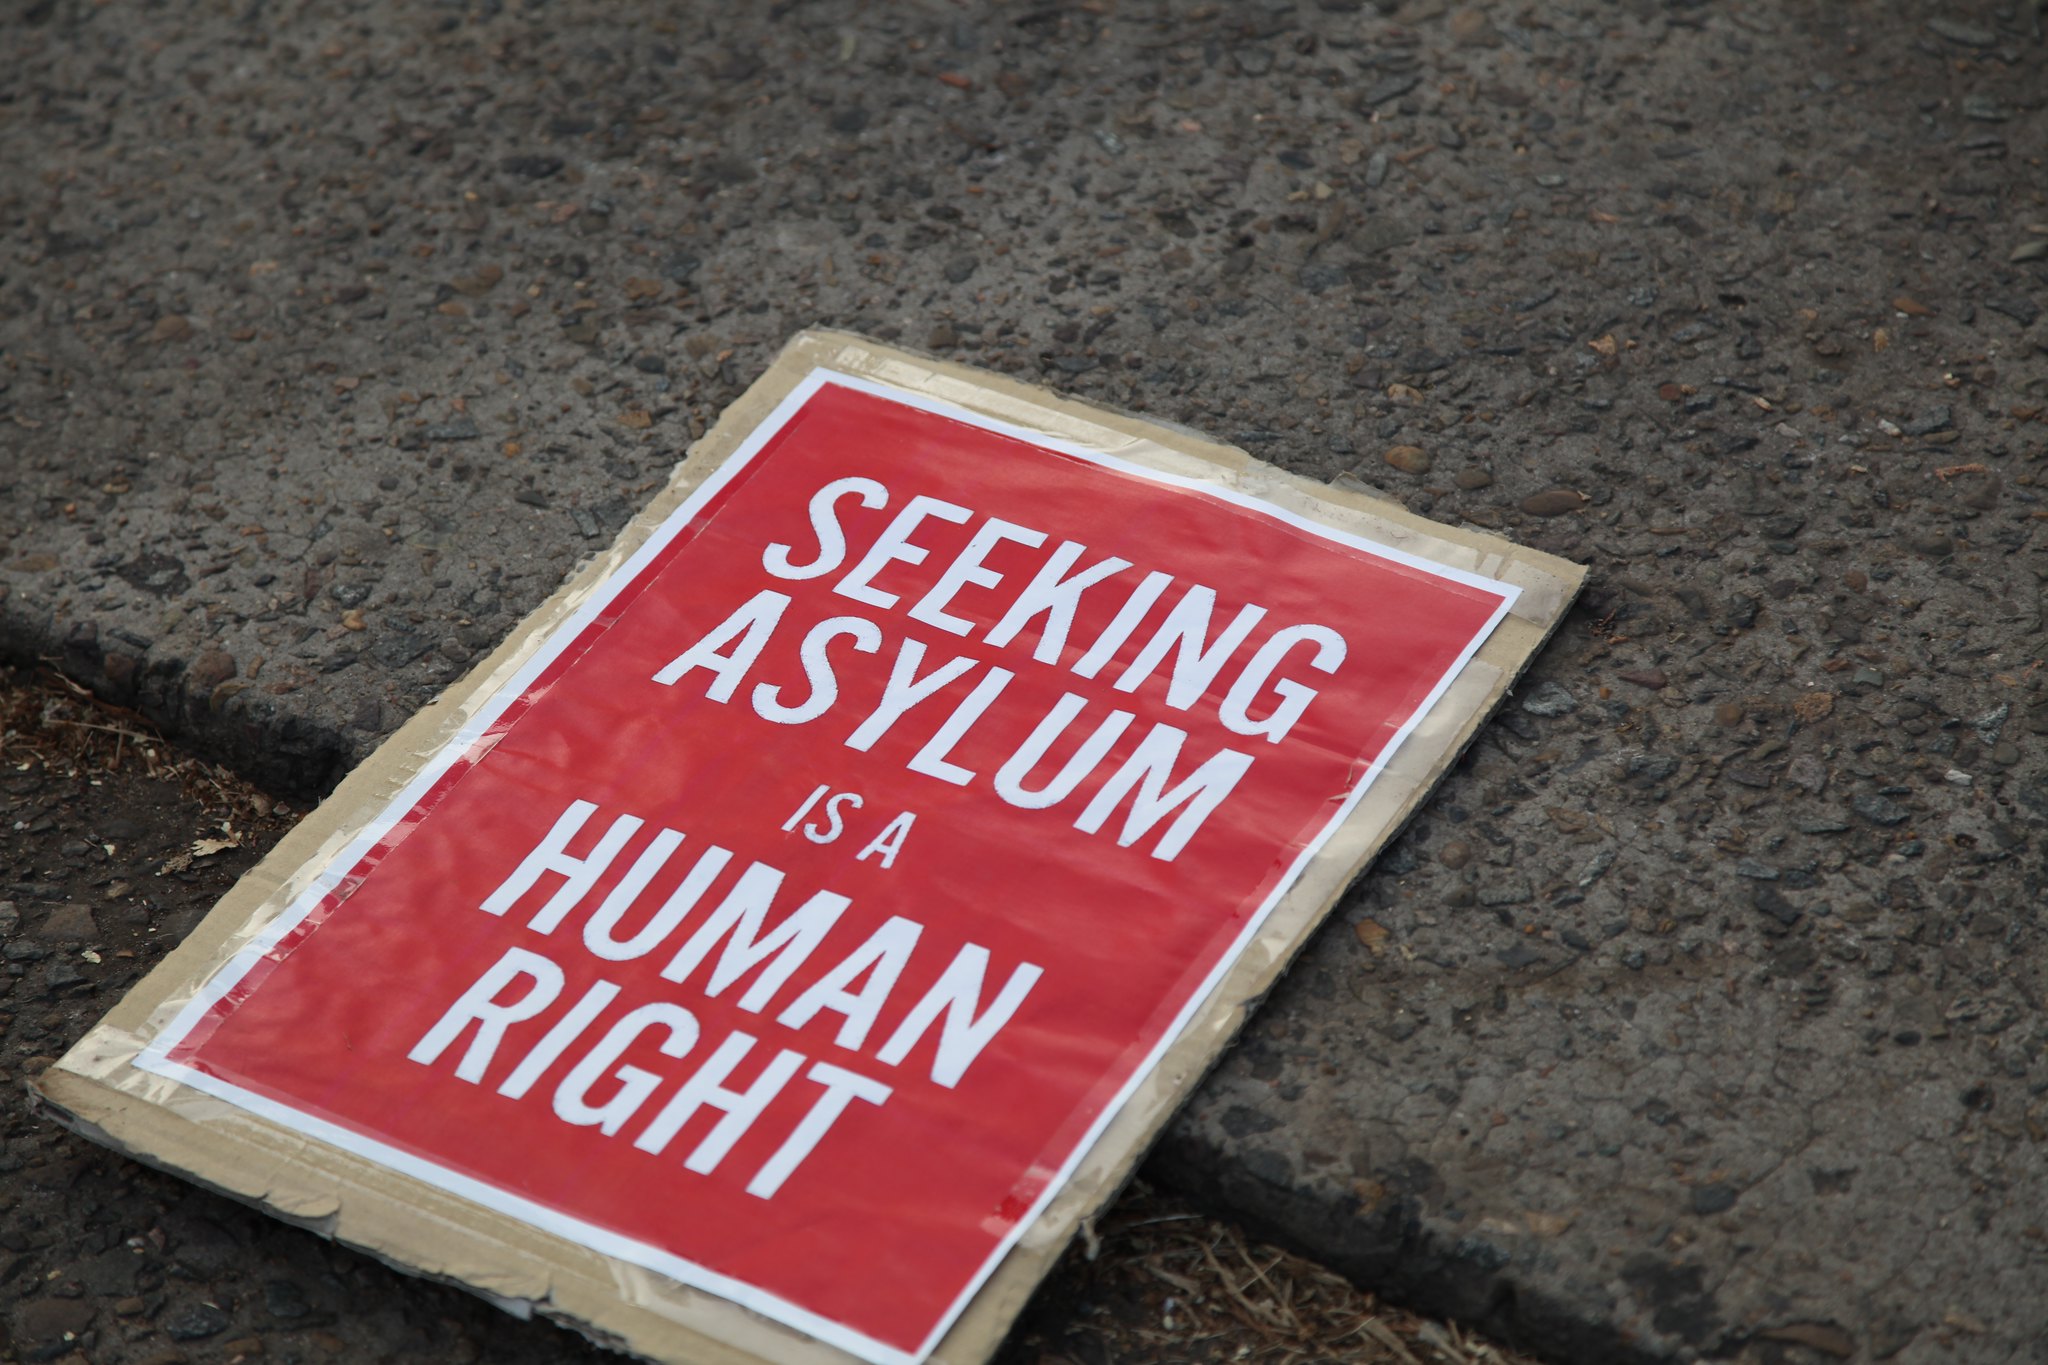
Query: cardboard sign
829	874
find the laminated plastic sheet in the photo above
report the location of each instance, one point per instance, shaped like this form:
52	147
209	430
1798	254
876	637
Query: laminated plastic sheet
808	916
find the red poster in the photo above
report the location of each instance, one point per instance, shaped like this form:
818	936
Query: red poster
796	918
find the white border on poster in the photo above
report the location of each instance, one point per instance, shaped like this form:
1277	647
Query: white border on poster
155	1058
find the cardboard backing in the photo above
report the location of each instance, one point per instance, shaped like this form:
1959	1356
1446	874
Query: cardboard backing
97	1091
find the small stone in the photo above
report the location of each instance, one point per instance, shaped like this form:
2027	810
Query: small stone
2032	249
1933	546
1408	459
1769	900
1253	60
1455	854
461	429
960	267
1550	699
1728	713
1392	88
1824	1337
1708	1200
1376	169
1472	480
1880	810
1553	502
1652	678
1809	707
1470	28
1956	31
285	1300
532	167
69	924
193	1320
47	1328
943	337
1517	892
1989	725
212	668
2018	307
1372	934
1808	772
1937	418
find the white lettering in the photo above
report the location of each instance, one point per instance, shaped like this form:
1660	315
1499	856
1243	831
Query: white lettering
1148	769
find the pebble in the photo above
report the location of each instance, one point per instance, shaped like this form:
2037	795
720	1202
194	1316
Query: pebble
212	668
193	1320
1376	169
461	429
1769	900
1472	480
532	167
1550	699
2033	249
1470	28
1455	854
1956	31
1880	810
1937	418
1652	678
1711	1199
1392	88
1516	892
1408	459
1553	502
1933	546
2018	307
69	924
47	1328
285	1300
1989	725
1808	772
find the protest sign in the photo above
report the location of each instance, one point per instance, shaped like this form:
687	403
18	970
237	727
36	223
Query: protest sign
814	905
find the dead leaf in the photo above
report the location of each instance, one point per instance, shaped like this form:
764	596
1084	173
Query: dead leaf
1605	345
